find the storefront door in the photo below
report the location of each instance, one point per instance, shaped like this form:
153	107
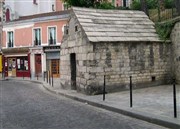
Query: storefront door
12	67
55	67
38	65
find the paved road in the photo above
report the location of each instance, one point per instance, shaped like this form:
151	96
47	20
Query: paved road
25	105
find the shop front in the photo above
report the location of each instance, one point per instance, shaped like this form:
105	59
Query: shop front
53	60
17	62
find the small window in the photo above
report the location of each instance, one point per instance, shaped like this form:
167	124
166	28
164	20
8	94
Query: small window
153	78
53	8
7	15
10	39
37	37
76	28
66	30
52	35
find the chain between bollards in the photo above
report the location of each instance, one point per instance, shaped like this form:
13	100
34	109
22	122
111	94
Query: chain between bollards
174	98
131	103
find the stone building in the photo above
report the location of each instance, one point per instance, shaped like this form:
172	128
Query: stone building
114	43
175	37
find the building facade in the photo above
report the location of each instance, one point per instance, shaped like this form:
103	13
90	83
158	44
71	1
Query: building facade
13	9
175	37
31	44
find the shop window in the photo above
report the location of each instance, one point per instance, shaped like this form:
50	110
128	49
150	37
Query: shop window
22	63
52	35
10	39
37	37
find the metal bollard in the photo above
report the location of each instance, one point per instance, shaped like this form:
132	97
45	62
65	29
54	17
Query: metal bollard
44	76
174	98
104	89
23	76
130	87
52	80
49	78
37	76
30	76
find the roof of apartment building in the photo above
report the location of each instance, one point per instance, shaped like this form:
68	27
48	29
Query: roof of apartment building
41	17
116	25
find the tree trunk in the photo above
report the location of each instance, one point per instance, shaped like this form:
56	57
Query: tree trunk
144	7
177	5
161	5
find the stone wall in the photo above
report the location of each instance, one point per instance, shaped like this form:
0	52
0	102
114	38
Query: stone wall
175	37
148	63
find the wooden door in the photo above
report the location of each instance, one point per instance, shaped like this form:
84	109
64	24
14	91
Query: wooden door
38	65
12	67
55	67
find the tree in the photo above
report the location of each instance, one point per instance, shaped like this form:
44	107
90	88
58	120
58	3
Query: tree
104	4
177	5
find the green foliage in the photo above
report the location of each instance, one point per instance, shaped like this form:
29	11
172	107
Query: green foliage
136	5
152	4
103	4
169	4
164	29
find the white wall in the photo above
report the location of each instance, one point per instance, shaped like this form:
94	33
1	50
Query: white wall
27	7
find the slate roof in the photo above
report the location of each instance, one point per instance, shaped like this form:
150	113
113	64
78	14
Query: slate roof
116	25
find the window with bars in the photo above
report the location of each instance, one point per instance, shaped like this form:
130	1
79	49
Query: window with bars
52	35
35	2
10	39
37	37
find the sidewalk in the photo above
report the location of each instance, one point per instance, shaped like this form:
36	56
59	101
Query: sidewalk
153	104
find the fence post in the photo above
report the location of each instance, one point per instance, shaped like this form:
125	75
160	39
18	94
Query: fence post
174	98
130	91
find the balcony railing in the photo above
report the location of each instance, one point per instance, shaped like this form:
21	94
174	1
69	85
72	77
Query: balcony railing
37	42
52	41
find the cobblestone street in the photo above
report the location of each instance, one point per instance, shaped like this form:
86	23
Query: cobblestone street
26	105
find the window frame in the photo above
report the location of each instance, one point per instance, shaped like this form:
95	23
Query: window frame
22	63
7	39
48	35
40	41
